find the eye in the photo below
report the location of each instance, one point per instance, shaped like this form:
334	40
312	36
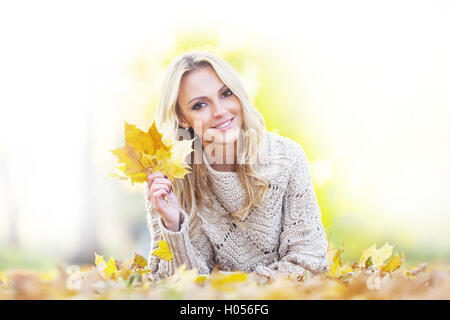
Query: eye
227	93
198	106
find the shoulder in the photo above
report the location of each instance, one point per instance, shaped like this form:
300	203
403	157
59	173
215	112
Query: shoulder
285	148
297	174
282	159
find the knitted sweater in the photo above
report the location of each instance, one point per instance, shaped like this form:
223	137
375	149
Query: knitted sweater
284	234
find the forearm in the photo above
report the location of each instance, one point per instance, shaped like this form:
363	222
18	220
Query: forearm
194	254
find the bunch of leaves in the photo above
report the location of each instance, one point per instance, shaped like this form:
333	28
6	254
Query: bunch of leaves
151	151
371	259
137	265
378	274
128	270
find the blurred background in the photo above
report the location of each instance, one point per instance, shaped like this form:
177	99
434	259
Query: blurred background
363	86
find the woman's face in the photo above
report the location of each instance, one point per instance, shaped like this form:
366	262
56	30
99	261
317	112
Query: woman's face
207	105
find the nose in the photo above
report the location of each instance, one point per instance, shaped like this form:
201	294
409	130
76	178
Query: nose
218	110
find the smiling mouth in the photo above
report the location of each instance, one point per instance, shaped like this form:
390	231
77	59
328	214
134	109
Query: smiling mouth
224	124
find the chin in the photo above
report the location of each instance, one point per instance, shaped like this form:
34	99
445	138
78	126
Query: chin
228	137
223	141
218	137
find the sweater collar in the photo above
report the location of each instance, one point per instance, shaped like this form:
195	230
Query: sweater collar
226	186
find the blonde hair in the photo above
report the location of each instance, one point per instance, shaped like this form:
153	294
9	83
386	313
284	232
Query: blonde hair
191	190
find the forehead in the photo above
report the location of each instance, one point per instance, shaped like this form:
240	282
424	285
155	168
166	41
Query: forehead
201	82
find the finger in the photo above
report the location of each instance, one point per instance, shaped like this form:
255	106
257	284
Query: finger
154	175
151	194
163	181
157	196
156	186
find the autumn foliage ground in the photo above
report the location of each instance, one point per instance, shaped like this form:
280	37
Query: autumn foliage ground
130	280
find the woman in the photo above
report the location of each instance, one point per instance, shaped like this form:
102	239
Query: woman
249	202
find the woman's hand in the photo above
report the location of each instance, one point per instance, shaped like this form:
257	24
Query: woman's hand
163	199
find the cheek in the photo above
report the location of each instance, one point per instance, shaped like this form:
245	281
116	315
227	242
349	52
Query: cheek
205	121
235	106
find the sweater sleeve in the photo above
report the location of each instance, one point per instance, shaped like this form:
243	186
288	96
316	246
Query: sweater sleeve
303	245
195	253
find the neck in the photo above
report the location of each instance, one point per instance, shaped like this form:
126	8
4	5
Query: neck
223	157
224	167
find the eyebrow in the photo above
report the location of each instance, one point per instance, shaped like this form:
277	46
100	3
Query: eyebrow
203	97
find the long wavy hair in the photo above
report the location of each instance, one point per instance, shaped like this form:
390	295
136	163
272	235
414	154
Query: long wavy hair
191	191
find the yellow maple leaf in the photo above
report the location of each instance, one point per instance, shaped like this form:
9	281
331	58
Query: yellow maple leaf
133	168
201	278
337	269
146	152
182	279
147	142
139	261
393	263
99	259
377	256
49	275
3	278
225	281
163	251
111	270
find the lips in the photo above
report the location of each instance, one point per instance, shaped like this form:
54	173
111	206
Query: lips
223	122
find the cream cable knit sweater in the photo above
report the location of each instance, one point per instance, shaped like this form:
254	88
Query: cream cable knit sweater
284	234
